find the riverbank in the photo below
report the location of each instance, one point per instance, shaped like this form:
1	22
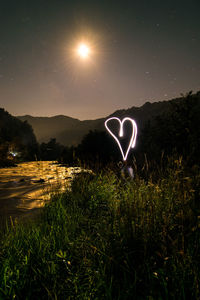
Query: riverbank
109	238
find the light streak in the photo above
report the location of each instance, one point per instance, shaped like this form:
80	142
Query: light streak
121	133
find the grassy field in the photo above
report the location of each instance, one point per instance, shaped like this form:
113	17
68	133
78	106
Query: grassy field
109	237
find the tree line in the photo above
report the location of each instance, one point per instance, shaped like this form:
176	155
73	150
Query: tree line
17	140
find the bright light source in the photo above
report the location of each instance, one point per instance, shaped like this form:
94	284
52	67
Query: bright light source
83	51
13	153
121	133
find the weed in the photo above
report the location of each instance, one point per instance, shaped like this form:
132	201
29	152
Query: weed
109	238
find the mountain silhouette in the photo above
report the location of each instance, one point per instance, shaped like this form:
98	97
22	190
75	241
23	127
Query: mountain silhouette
70	131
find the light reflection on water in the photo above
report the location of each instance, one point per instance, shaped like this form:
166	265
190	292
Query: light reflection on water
29	185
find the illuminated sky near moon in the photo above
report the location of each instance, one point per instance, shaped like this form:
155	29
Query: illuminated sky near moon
138	51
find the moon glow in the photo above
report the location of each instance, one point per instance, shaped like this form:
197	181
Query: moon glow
83	51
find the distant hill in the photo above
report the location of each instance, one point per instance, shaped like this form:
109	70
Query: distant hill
69	131
51	127
66	130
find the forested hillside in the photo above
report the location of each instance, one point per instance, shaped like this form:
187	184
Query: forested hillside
17	139
174	131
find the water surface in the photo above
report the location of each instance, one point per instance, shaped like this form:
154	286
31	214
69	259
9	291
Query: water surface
25	188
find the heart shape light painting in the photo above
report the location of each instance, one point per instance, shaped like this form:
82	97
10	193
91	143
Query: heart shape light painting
121	133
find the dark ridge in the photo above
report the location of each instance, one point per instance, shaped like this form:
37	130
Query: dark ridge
70	131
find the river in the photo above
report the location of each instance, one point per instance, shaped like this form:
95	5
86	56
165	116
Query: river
24	189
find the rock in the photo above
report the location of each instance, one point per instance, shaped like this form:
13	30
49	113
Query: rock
41	180
22	180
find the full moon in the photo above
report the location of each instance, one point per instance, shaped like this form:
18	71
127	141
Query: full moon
83	51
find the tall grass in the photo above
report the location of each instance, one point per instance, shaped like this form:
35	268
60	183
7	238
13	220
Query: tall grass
109	238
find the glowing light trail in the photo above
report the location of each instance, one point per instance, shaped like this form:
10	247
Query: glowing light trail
121	133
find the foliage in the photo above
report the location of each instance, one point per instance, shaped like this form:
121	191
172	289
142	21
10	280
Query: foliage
177	131
109	237
174	132
51	150
18	136
95	151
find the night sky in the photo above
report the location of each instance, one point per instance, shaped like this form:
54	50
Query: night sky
141	51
